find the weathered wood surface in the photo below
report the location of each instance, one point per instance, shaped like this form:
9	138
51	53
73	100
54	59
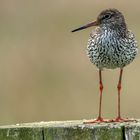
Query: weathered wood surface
71	130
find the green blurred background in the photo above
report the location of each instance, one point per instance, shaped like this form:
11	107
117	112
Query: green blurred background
44	71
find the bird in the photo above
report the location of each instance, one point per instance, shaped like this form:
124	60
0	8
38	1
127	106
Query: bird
110	45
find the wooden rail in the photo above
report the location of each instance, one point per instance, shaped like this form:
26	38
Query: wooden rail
71	130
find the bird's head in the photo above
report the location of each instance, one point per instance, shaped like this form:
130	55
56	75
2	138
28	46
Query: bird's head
111	18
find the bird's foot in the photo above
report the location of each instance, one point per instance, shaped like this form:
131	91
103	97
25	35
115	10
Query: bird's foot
119	119
98	120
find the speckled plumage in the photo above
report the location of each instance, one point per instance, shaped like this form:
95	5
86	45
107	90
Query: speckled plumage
105	50
110	47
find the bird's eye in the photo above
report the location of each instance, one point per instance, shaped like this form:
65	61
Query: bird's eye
107	16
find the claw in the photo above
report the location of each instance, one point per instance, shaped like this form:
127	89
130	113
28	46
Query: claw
119	119
98	120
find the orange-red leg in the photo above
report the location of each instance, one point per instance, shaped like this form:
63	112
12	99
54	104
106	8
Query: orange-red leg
99	118
119	118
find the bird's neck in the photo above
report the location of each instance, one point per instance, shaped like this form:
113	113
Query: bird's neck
120	30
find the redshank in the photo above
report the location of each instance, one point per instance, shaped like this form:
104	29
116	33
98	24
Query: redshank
111	45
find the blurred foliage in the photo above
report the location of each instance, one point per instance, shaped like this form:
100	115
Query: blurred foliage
45	73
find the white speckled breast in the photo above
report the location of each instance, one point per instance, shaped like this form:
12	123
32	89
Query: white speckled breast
107	50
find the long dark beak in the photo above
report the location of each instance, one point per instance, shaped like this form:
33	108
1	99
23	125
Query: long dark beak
95	23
